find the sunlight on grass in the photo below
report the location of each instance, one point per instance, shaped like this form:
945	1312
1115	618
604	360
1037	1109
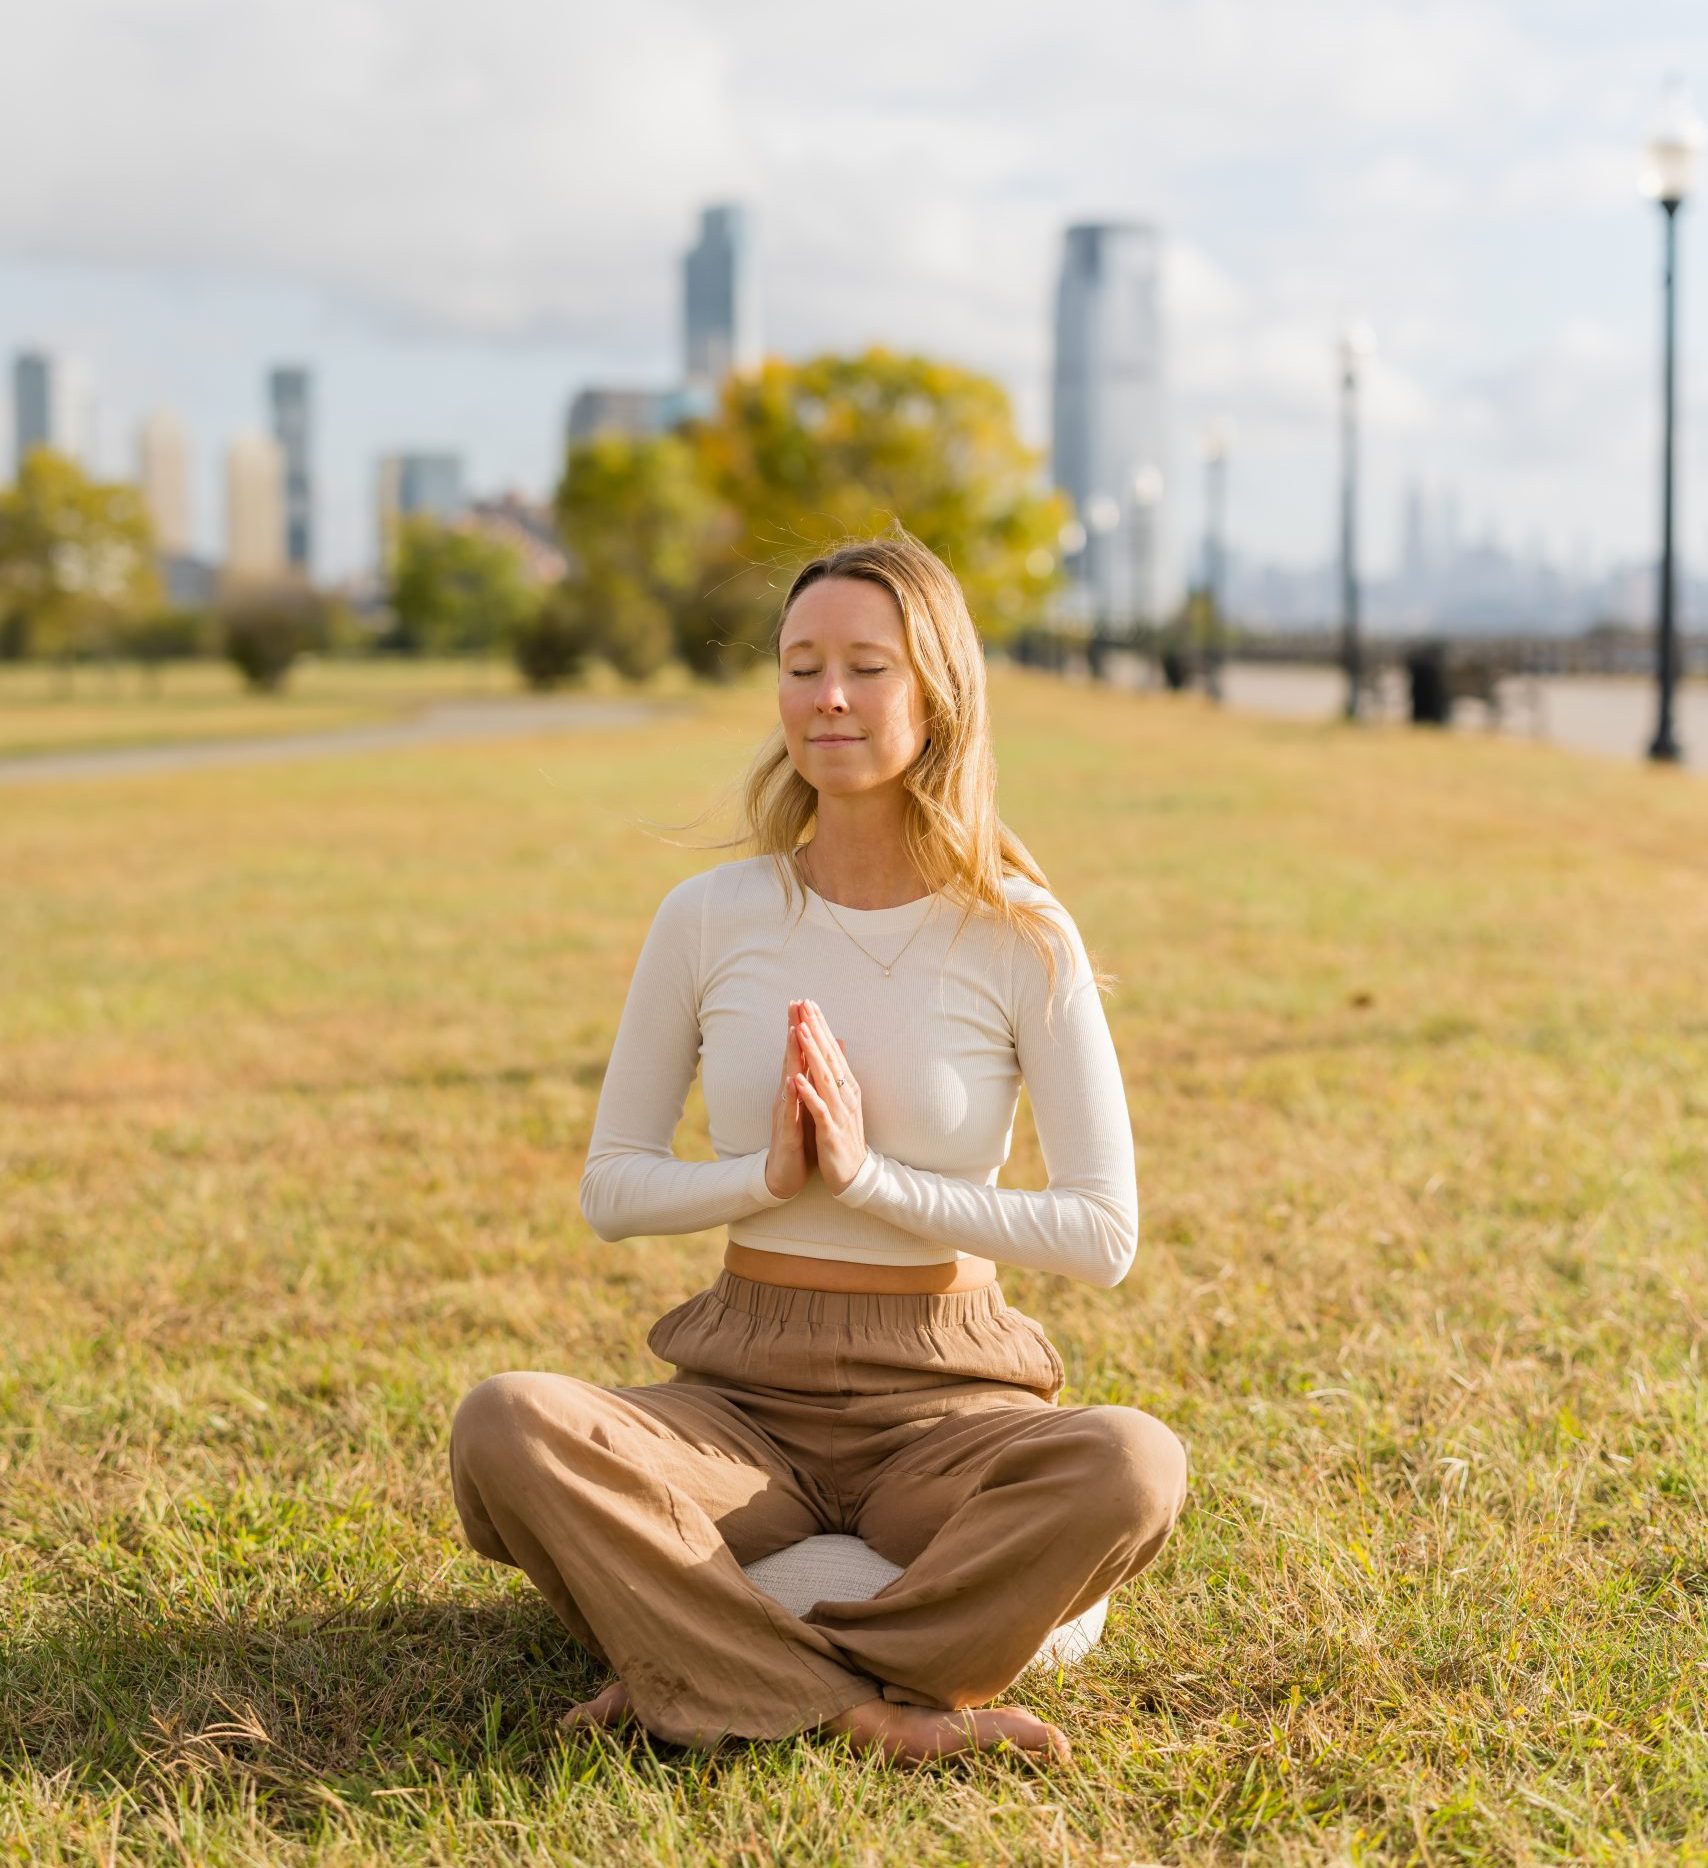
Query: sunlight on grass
297	1067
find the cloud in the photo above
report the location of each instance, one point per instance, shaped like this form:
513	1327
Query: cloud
496	171
527	173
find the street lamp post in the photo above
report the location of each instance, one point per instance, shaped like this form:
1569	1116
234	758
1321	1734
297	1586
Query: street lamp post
1215	520
1668	169
1356	343
1110	595
1146	496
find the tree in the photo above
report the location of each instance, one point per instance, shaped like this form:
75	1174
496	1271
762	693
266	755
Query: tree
455	592
807	453
76	560
554	643
647	541
267	626
685	540
156	637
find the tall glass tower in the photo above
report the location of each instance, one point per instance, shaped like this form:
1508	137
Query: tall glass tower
52	407
719	298
1108	428
288	394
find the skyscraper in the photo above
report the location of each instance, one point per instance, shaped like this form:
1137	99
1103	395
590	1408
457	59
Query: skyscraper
720	312
254	509
1108	439
600	410
163	474
288	395
410	485
52	407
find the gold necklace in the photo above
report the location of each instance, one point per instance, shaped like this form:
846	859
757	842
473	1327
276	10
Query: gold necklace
800	864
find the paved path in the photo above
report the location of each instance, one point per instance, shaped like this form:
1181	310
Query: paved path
1584	713
436	724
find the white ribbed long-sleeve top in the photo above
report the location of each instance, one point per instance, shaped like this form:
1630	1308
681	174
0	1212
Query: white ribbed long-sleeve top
940	1048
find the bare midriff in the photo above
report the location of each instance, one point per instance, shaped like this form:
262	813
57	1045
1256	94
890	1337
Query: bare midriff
844	1274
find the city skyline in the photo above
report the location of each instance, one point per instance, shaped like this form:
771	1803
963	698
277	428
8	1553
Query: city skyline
1463	176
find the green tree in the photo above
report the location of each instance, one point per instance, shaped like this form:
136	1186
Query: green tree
648	543
456	592
154	637
265	627
809	452
553	645
76	560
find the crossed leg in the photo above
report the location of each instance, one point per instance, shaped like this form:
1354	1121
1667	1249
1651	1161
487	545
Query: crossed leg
1008	1521
634	1509
632	1512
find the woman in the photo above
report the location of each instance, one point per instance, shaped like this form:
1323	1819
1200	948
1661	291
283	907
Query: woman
854	1367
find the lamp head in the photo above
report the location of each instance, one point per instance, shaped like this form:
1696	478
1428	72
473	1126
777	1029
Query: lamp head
1669	160
1357	341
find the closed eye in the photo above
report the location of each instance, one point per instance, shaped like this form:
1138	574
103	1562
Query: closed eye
859	671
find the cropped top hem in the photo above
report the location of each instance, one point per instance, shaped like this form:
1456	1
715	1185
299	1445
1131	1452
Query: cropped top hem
914	1252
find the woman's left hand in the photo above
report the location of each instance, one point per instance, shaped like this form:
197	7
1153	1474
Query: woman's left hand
839	1129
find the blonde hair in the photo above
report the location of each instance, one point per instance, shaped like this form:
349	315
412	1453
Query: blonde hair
954	837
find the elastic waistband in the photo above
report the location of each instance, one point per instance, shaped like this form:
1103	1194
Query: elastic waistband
858	1309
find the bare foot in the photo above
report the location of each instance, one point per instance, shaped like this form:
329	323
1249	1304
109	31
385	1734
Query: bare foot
918	1734
608	1708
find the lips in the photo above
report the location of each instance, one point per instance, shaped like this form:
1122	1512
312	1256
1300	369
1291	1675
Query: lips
837	739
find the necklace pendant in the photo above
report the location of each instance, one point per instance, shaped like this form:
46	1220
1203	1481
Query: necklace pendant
886	972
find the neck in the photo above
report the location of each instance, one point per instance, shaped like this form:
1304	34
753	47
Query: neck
857	858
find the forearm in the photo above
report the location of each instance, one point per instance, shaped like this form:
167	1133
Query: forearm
629	1192
1088	1234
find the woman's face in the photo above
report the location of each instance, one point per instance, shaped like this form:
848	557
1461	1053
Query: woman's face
851	706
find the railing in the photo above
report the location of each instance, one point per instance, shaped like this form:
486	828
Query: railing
1586	654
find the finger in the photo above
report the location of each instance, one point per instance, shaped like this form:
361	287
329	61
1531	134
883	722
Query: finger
821	1025
819	1060
811	1097
832	1059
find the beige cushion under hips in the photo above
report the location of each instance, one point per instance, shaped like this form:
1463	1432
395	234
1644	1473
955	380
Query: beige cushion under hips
834	1568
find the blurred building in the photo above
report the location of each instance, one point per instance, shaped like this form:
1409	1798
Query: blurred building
616	411
288	396
720	306
635	412
254	509
53	406
526	528
416	485
1108	430
163	475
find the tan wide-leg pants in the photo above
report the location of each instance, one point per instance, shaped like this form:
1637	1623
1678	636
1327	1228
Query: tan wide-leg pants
925	1424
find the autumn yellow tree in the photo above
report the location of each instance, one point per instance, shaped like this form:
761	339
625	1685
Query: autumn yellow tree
684	542
807	453
76	561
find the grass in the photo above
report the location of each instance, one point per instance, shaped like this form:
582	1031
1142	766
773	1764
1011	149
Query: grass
296	1070
117	704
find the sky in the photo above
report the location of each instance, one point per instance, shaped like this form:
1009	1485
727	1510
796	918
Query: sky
458	216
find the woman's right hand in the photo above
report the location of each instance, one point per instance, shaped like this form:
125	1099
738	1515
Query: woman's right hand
792	1154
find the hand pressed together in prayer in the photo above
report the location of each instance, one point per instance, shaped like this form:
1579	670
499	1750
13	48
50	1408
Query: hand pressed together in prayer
816	1119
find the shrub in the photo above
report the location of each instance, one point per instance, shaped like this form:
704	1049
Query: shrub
553	644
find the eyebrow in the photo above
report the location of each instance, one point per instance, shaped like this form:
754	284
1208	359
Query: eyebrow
806	642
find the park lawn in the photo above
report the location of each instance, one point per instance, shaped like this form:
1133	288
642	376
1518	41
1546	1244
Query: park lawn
119	704
297	1066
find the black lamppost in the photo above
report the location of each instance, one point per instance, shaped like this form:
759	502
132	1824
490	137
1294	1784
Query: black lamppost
1668	169
1215	523
1356	343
